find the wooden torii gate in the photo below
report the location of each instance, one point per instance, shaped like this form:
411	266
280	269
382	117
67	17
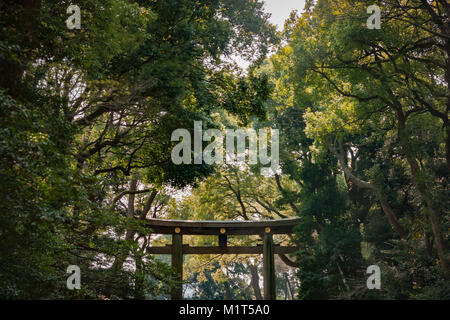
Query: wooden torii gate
177	228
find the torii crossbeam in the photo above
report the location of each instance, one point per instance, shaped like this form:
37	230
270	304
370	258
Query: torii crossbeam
178	228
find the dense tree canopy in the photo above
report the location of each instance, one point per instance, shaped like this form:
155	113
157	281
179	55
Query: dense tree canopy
86	120
87	115
375	103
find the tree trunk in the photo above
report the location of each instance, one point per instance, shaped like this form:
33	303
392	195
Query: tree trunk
118	262
288	261
432	207
387	209
391	216
255	281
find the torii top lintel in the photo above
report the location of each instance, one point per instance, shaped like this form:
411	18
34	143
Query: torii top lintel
205	227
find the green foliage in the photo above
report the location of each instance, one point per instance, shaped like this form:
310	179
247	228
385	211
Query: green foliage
84	112
366	99
328	234
86	118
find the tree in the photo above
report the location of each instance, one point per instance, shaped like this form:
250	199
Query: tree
87	116
372	98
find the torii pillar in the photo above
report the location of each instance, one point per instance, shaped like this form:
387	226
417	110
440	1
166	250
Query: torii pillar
177	265
269	268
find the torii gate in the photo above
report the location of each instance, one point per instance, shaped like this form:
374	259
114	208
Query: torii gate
222	229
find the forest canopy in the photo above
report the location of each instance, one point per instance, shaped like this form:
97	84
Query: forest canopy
86	122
